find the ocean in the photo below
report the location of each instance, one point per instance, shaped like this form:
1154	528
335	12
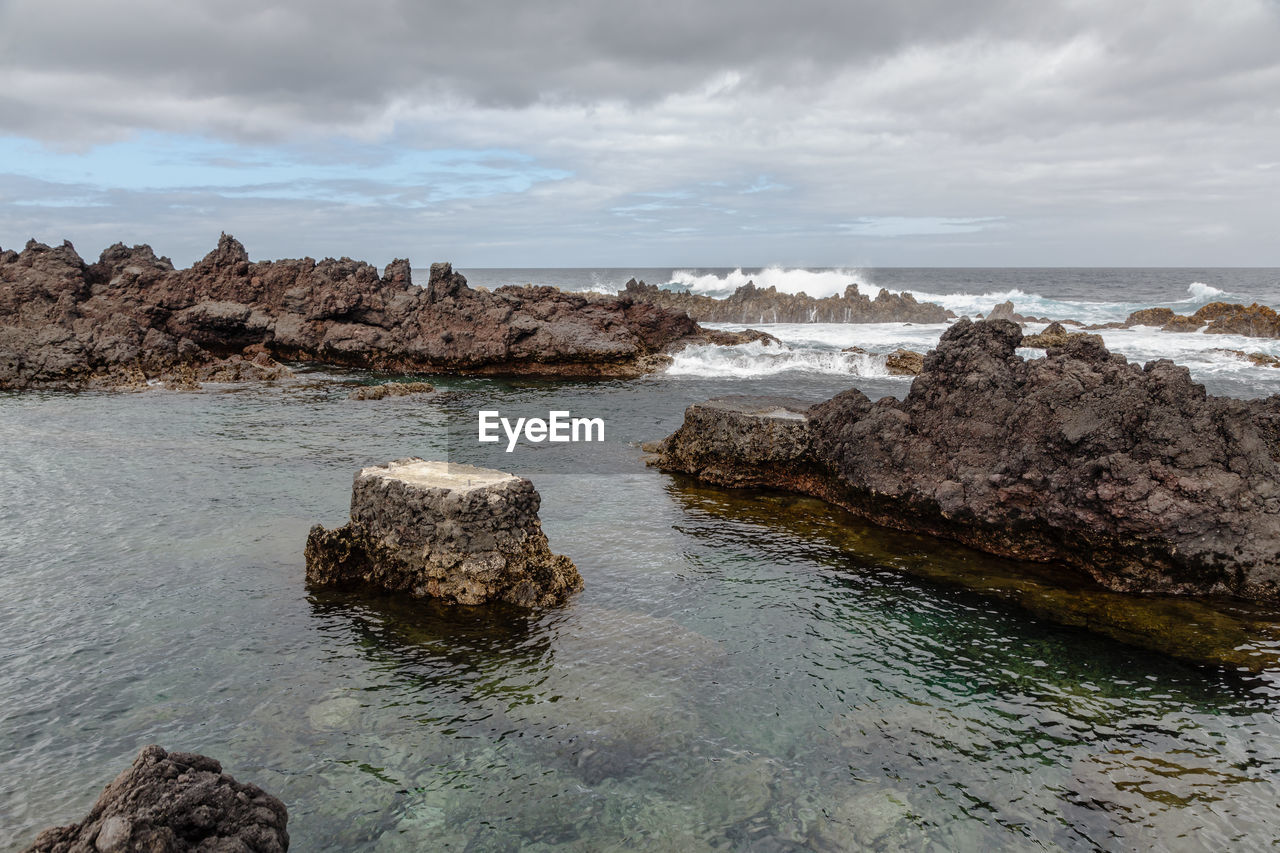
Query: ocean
743	671
1088	295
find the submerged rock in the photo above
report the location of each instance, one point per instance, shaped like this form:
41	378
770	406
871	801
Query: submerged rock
1260	359
455	532
173	802
1131	473
751	304
390	389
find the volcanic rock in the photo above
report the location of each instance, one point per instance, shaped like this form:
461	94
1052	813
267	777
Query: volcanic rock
751	304
1132	473
173	802
131	318
456	532
1216	318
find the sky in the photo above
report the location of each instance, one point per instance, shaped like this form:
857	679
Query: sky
506	133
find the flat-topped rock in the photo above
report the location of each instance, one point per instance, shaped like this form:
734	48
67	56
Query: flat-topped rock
445	530
174	802
740	441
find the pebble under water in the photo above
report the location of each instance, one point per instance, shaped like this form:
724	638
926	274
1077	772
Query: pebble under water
742	672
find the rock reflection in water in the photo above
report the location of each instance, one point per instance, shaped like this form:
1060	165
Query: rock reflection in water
1228	633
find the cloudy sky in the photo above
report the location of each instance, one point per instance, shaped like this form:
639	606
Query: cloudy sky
671	132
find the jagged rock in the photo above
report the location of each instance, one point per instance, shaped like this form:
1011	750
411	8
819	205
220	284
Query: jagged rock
131	317
1254	321
1003	311
456	532
1132	473
390	389
1216	318
174	802
751	304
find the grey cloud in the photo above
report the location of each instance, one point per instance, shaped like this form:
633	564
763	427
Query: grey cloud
344	61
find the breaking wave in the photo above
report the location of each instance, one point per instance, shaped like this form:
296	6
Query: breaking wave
1035	305
815	283
753	360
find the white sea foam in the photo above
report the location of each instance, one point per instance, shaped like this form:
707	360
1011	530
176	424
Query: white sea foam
1089	312
814	349
755	360
875	337
815	283
1203	292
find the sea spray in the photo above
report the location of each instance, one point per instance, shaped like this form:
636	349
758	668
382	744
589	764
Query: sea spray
815	283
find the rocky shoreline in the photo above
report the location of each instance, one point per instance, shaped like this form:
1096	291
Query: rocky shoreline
132	319
1132	473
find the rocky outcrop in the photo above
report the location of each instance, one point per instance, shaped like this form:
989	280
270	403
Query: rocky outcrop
1004	311
174	802
455	532
1216	318
131	318
1132	473
751	304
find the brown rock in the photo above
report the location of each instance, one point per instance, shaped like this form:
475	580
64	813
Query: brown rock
1149	317
1182	324
904	362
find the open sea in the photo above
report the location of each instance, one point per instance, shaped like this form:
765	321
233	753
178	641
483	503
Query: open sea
743	671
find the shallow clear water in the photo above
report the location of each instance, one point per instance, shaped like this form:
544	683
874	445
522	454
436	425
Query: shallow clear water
743	671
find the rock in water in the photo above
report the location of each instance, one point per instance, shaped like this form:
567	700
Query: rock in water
1130	472
172	802
390	389
465	534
